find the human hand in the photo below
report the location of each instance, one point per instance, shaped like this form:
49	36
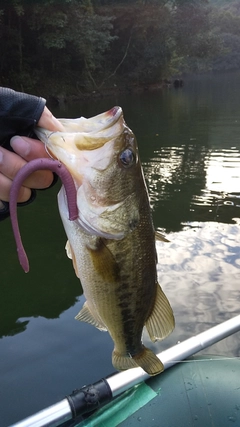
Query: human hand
26	149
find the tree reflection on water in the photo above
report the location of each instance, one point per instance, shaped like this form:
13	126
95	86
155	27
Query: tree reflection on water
189	183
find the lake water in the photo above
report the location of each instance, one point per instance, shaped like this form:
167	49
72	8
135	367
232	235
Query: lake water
189	141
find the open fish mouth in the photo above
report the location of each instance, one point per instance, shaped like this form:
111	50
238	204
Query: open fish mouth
84	134
94	124
85	142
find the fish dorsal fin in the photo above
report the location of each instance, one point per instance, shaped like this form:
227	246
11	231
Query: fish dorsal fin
161	321
71	255
159	236
85	315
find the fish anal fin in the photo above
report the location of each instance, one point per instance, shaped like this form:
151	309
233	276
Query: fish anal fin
85	315
161	321
146	359
71	255
104	262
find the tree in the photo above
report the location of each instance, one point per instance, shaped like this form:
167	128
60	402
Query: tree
57	46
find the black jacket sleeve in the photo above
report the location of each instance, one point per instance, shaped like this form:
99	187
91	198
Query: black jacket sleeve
19	113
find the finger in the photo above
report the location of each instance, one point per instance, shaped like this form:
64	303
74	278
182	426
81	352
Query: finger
28	148
5	185
48	121
10	163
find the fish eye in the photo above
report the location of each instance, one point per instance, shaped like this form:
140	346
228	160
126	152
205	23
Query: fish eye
127	157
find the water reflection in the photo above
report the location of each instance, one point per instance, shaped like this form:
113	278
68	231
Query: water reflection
200	272
223	171
197	183
51	285
189	145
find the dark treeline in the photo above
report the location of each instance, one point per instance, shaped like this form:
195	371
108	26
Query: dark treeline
62	47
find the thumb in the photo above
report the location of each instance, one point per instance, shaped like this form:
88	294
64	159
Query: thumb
49	122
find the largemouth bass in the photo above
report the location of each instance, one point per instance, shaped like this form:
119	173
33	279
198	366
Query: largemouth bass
112	242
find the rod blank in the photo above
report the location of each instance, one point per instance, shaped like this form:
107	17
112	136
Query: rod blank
53	416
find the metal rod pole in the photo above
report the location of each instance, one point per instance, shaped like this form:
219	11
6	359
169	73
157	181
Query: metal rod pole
61	412
53	416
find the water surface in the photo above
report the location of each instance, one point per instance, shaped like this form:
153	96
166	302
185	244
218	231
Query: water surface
189	141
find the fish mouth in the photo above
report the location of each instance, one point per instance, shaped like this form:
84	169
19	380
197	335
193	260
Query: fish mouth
94	124
82	134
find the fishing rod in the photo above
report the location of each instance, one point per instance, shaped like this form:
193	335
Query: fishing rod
91	397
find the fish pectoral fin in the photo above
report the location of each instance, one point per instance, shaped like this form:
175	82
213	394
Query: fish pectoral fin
104	262
68	250
71	255
85	315
146	359
161	237
161	321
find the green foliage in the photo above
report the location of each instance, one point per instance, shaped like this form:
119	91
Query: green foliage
144	42
63	46
225	22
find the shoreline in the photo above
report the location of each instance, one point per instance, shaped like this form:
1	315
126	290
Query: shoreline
110	91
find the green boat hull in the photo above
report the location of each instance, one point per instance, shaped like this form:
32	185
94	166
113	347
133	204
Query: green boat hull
202	391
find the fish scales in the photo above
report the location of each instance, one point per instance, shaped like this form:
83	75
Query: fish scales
112	243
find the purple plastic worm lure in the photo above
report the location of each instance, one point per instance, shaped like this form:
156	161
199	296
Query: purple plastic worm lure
24	172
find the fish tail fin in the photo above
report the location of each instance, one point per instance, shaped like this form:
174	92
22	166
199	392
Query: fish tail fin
146	359
149	362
